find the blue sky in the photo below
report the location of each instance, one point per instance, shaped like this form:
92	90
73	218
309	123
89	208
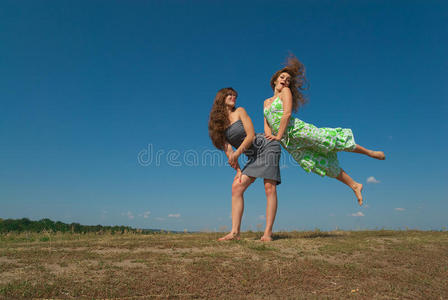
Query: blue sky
85	86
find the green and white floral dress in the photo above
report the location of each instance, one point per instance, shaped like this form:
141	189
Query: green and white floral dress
315	149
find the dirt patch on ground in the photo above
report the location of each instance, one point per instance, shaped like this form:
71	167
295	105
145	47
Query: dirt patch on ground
7	260
106	251
7	277
129	263
58	269
13	274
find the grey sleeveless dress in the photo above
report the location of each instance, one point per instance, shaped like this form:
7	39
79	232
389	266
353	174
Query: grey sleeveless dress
263	155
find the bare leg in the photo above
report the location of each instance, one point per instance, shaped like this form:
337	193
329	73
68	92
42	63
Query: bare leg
270	187
355	186
374	154
238	189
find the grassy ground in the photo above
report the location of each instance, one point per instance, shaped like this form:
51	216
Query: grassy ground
339	264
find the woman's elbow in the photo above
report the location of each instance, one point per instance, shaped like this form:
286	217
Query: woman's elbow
287	115
251	135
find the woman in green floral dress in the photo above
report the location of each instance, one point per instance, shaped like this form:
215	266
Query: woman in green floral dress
315	149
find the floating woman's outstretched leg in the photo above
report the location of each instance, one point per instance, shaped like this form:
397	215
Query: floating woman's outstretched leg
374	154
238	188
270	187
355	186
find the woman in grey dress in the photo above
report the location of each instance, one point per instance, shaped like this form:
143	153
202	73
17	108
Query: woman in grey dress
230	126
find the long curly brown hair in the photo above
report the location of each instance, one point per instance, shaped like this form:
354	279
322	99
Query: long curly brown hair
219	117
298	81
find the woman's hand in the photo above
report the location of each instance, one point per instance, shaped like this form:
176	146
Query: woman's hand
272	137
233	160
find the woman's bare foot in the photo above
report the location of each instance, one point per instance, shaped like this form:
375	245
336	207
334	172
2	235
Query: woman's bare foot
230	236
378	155
357	188
266	238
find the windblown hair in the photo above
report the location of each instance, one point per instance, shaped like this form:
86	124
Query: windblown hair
219	118
298	81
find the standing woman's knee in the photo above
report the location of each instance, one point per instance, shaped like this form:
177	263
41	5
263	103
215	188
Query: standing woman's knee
237	188
270	188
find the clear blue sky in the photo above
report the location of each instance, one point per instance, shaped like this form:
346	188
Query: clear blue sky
85	86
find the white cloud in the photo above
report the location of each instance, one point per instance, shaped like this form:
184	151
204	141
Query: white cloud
372	179
160	219
129	215
174	216
400	209
103	214
146	214
357	214
261	217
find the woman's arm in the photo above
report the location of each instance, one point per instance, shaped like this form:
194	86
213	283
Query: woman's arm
250	134
286	98
229	151
267	129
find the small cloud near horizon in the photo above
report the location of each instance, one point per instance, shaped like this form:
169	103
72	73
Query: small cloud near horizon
400	209
372	179
146	214
357	214
261	217
129	215
174	216
103	214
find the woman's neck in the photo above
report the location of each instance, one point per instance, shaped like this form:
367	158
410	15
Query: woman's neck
230	109
277	93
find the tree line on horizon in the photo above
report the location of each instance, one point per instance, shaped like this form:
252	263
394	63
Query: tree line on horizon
27	225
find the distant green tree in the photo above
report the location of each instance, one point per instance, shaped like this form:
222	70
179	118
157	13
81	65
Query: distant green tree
25	224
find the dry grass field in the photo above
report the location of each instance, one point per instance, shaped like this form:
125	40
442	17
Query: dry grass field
339	264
